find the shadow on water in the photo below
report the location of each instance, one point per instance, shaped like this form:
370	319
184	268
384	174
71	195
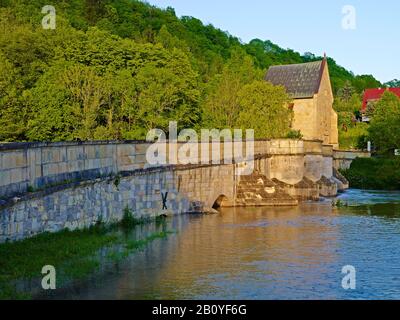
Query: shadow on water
382	210
384	204
359	197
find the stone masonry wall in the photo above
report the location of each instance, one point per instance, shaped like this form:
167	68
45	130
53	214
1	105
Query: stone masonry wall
25	166
76	184
103	199
343	159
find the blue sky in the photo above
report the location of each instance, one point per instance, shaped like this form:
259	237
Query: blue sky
310	25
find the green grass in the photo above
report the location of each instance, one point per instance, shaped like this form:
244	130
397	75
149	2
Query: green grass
349	140
72	253
374	173
129	221
339	204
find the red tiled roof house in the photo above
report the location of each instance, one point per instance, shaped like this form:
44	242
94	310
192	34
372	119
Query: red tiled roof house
373	95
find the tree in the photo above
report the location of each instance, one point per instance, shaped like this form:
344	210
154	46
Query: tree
363	82
12	115
395	83
88	93
94	10
137	66
384	130
221	106
264	108
169	41
347	104
66	103
346	92
166	94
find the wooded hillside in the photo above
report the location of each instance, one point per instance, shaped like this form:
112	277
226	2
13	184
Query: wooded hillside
114	69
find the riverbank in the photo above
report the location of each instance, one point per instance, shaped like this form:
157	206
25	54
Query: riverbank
374	173
74	254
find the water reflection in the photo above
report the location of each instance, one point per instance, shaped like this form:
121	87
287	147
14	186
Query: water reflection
265	253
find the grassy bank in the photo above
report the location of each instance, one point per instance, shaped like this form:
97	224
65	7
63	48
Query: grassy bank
374	174
72	253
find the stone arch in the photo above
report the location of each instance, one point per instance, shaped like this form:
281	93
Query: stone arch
220	202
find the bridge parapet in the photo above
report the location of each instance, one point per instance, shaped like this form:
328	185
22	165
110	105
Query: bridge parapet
313	147
34	166
285	147
27	166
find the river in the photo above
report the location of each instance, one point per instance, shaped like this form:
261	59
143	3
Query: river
264	253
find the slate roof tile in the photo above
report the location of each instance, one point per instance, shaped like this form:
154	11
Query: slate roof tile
300	80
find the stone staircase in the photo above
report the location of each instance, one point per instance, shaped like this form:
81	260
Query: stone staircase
302	191
257	190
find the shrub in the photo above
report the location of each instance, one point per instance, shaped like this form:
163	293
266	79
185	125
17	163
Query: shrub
129	220
294	134
374	173
351	138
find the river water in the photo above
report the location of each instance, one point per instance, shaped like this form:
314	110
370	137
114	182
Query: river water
264	253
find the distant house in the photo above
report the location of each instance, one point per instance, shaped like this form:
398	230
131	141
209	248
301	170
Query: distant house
310	87
371	96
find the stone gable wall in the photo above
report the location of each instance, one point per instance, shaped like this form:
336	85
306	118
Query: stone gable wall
315	117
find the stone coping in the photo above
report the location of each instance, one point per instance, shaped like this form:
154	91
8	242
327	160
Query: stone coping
5	146
28	145
79	183
352	151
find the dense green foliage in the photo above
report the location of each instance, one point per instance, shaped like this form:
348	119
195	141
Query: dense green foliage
384	130
263	109
395	83
238	99
374	173
354	138
381	173
113	69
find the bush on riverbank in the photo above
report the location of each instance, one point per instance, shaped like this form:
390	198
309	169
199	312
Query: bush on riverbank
374	173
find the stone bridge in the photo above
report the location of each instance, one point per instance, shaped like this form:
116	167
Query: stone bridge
47	187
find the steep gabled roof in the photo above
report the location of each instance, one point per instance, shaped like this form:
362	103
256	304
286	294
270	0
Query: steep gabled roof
300	80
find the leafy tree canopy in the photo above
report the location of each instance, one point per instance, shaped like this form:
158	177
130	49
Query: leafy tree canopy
112	69
384	130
